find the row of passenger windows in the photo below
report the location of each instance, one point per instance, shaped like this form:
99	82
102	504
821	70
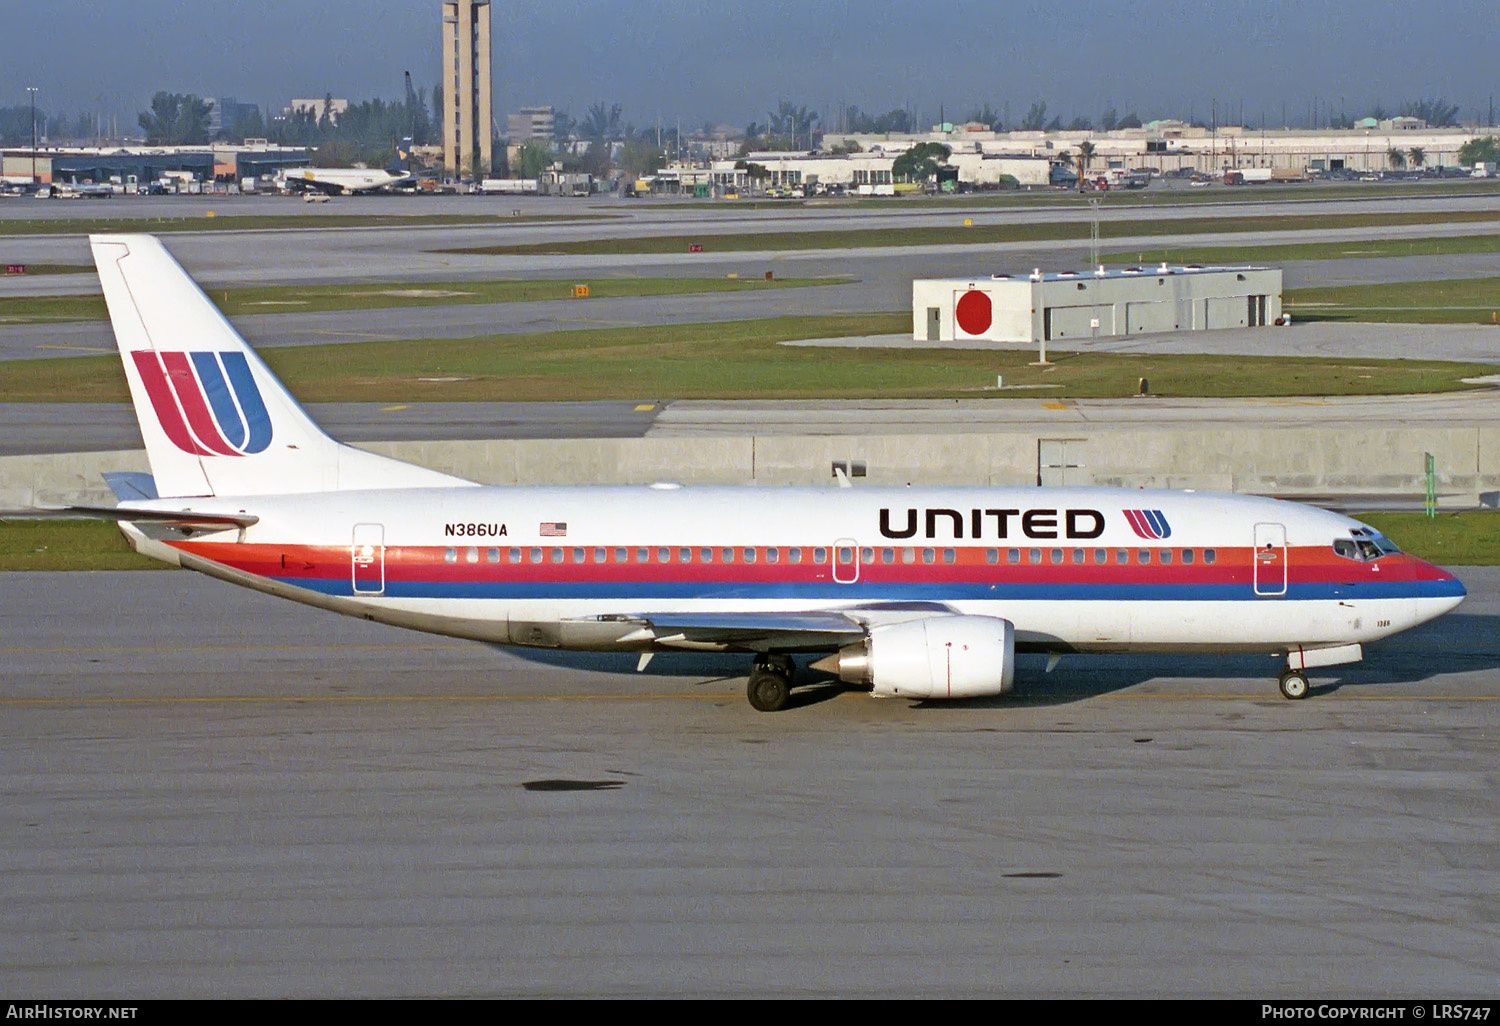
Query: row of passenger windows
844	555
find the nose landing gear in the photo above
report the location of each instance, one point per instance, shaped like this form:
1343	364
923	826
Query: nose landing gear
1293	684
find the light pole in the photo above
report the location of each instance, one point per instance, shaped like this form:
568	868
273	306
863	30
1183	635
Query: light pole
32	91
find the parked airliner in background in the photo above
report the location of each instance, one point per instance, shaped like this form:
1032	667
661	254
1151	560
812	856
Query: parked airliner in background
337	181
923	593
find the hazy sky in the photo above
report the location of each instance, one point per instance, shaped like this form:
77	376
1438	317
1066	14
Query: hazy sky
731	62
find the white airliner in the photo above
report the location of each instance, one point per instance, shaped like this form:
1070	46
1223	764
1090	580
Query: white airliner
923	593
336	181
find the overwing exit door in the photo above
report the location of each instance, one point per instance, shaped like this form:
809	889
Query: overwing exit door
367	559
1270	559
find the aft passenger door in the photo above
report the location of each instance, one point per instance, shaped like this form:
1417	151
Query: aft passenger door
1270	560
367	559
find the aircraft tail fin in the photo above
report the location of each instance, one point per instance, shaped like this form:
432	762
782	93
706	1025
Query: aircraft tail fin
403	158
214	418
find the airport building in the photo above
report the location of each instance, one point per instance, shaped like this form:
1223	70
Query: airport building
1086	305
142	165
1168	146
466	87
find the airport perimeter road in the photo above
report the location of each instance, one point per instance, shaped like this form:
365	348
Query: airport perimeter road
208	793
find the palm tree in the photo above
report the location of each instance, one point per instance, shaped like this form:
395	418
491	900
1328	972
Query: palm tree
1416	156
1396	157
1085	157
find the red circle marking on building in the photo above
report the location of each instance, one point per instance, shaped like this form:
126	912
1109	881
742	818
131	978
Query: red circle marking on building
972	311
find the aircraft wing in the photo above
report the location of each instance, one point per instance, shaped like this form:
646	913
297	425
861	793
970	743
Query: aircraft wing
781	631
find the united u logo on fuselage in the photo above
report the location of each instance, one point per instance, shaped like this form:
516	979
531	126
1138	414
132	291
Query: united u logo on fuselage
207	403
1149	524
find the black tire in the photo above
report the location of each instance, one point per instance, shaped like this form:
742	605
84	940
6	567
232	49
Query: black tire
1294	686
768	692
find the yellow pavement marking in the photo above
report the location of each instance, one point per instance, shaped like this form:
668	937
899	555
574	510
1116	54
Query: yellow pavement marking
643	407
393	409
1057	406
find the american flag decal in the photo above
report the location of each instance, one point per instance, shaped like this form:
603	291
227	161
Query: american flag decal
554	530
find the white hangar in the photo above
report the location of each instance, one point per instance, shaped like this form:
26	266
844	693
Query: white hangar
1064	306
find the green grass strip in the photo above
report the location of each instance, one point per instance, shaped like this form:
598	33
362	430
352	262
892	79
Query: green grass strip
1452	539
1353	249
68	545
745	360
264	299
974	235
1454	301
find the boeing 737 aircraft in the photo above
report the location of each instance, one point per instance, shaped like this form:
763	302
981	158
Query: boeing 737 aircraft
924	593
336	181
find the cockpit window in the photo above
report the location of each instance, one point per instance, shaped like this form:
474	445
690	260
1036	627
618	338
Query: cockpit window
1364	545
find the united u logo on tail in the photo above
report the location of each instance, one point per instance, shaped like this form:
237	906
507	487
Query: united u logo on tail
1148	523
207	403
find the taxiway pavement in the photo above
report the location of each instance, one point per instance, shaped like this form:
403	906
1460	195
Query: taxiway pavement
209	793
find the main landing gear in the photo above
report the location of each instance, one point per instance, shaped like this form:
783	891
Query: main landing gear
770	683
1293	684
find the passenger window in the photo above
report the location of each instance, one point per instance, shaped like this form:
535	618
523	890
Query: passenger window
928	555
705	555
515	555
820	556
1036	556
1187	555
1143	556
728	555
773	555
794	555
992	556
471	555
749	555
684	555
622	555
949	555
1209	555
601	555
1078	557
846	555
887	555
557	555
1013	556
643	555
1166	557
450	555
908	555
536	555
867	555
1056	556
1101	556
580	555
1122	556
492	555
664	555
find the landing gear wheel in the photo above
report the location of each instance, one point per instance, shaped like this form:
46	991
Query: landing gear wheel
768	691
1293	685
775	662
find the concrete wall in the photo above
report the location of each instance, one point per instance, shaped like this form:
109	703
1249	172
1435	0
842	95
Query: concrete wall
1337	459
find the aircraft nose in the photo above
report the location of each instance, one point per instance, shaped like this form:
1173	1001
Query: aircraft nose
1440	591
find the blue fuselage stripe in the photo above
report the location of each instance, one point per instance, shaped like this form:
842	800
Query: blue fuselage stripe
829	591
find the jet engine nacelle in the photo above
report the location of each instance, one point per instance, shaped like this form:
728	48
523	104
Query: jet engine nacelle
936	657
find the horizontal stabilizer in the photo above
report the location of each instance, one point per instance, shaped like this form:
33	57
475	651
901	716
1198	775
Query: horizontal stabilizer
182	517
